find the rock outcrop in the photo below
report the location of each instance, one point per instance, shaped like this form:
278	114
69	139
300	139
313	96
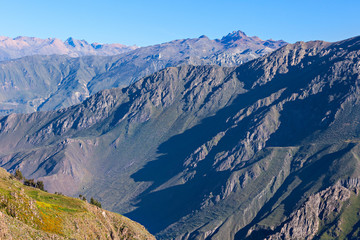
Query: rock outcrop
307	221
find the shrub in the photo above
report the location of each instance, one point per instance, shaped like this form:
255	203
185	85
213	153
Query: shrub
40	185
95	202
82	197
18	175
29	182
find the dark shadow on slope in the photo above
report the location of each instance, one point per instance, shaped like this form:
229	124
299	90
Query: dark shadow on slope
355	232
176	149
157	210
318	171
302	118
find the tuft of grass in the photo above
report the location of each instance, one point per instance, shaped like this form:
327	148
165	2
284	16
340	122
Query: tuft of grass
342	225
62	202
51	221
350	216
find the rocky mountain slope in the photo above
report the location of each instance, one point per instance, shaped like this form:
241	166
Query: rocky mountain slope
197	152
12	48
38	83
29	213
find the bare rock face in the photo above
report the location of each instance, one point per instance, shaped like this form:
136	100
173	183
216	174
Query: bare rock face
305	222
210	152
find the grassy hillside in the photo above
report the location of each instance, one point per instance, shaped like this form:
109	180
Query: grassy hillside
29	213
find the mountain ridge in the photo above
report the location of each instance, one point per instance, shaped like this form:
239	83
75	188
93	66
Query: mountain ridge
40	83
22	46
207	152
12	48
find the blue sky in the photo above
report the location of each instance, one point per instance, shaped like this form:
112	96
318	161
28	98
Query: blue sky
144	23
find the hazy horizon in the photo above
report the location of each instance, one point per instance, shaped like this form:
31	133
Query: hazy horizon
144	23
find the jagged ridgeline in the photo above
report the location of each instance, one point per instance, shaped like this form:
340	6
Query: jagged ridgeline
13	48
269	149
39	83
29	213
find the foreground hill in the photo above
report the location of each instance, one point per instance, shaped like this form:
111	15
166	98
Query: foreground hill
29	213
269	149
38	83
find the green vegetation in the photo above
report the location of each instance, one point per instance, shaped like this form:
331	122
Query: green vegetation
95	202
18	175
60	201
82	197
30	213
28	182
343	225
40	185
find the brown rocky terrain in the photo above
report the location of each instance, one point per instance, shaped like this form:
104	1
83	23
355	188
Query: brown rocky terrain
211	152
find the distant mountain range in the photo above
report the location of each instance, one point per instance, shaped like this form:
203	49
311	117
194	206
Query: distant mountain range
265	150
36	83
12	48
